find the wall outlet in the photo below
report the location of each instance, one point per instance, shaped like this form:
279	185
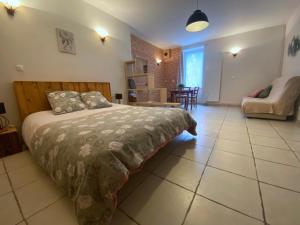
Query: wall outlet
20	68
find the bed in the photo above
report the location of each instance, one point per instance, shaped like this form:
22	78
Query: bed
92	153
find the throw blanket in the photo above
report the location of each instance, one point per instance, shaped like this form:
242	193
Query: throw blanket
91	157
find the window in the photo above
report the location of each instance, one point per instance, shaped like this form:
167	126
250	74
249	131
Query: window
193	67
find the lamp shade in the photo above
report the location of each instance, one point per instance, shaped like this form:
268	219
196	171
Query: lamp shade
2	108
119	96
197	21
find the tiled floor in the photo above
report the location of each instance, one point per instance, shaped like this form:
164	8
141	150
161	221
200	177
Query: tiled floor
237	171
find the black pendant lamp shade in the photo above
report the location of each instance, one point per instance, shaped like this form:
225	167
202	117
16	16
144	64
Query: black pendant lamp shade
197	21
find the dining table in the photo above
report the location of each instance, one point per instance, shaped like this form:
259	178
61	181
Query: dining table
182	93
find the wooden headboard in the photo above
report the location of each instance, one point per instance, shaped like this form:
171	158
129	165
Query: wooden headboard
31	95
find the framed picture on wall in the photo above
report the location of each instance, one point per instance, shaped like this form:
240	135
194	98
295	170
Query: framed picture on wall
65	41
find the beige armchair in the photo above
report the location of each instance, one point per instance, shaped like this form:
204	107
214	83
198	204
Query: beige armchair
279	105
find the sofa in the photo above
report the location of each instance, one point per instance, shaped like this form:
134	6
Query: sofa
280	104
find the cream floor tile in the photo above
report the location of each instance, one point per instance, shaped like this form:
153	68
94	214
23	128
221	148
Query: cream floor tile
59	213
298	154
9	211
205	141
234	191
2	170
288	129
134	181
242	165
295	145
233	146
18	161
212	134
36	196
234	125
155	161
26	175
265	133
4	184
228	129
267	141
205	212
253	121
281	206
193	152
181	171
158	202
234	136
275	155
291	136
266	127
120	218
280	175
22	223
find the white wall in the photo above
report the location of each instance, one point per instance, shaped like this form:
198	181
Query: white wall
258	63
29	39
291	65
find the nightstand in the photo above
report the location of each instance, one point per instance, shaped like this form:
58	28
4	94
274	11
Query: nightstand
9	142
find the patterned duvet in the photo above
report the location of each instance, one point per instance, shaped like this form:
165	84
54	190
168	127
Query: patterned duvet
91	157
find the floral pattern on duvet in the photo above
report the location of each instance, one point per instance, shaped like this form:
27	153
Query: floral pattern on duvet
91	157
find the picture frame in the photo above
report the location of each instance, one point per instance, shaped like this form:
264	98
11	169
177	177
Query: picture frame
65	41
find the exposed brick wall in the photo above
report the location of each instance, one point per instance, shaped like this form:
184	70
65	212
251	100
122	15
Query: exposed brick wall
166	74
172	68
145	50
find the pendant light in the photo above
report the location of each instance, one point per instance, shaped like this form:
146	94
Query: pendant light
198	21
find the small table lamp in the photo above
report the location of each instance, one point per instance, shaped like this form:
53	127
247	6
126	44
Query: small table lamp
3	120
119	97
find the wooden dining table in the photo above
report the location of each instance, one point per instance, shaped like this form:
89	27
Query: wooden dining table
181	92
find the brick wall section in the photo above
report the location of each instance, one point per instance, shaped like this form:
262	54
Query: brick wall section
166	75
145	50
172	68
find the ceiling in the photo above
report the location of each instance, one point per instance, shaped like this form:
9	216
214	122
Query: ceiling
162	22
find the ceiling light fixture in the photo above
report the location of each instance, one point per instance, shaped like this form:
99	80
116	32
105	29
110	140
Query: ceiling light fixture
198	21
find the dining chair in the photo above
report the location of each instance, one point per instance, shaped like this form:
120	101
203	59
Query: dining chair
184	96
193	98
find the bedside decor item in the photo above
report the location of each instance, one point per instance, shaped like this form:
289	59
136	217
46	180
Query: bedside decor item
294	46
4	122
198	21
119	97
65	40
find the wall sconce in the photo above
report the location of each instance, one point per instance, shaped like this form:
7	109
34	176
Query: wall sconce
11	6
103	34
235	51
158	61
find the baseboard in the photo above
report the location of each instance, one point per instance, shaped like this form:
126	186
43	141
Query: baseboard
213	103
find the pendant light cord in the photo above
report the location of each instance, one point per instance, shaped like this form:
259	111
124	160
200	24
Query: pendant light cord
197	4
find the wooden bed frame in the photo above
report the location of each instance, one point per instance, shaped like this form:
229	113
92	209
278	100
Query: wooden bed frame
31	95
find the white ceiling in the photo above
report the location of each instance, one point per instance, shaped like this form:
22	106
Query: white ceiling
162	22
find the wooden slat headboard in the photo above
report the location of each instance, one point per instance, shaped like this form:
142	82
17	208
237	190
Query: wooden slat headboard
31	95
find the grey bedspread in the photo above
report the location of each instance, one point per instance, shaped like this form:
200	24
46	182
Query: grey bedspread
91	157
